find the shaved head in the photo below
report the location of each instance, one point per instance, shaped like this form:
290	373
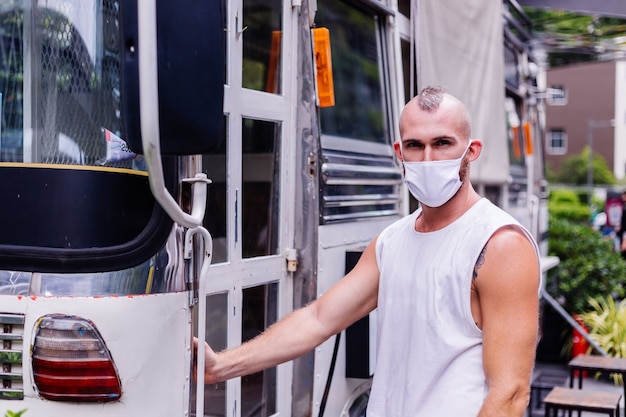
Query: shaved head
431	98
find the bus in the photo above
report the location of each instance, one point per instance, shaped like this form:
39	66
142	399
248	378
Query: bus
203	168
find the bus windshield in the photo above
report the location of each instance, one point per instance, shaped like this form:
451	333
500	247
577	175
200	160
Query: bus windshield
60	84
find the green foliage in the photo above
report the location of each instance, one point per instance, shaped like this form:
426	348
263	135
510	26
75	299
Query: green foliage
14	413
589	266
565	204
574	170
564	195
606	324
573	37
577	214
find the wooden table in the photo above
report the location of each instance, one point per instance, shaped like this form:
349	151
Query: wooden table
596	363
570	399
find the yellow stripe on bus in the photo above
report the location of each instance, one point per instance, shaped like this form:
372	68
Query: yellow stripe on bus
73	167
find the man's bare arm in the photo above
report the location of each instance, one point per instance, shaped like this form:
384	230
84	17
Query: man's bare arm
508	288
349	299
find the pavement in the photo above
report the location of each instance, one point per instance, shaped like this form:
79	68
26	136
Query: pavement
557	373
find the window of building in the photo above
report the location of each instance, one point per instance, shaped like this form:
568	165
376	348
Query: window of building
557	142
557	95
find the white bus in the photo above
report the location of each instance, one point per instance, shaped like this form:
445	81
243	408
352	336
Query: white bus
171	169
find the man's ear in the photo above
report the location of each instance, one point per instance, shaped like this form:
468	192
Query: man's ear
474	150
397	148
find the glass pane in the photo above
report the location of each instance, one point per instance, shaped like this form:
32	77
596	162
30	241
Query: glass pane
216	336
358	112
11	81
261	187
405	47
260	310
59	82
214	165
404	7
511	66
262	25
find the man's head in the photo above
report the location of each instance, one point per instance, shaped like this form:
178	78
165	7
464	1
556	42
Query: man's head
435	125
435	146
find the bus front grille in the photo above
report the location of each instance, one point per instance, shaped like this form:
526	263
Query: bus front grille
11	348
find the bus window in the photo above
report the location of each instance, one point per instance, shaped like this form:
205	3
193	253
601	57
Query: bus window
61	94
261	187
358	112
260	310
359	173
262	26
73	192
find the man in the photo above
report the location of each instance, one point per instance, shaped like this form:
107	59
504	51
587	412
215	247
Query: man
456	285
621	232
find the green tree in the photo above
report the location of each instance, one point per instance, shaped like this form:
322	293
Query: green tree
574	170
570	37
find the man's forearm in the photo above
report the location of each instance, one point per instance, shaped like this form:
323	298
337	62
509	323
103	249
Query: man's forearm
288	339
513	404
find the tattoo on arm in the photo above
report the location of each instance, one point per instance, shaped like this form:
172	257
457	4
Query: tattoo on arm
479	262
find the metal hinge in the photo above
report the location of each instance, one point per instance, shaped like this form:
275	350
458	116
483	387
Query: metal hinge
292	259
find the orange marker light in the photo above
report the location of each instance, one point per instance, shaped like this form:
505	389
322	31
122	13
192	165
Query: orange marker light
323	67
517	152
528	138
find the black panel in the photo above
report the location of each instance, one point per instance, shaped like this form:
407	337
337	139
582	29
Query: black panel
357	336
191	56
73	209
57	219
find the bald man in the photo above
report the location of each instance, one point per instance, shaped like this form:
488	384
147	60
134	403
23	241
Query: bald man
456	284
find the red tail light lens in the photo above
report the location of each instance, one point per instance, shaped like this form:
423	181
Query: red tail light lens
72	363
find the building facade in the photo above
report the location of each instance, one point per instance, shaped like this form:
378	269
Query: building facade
586	106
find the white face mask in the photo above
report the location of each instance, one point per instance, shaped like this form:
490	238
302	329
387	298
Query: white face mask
433	183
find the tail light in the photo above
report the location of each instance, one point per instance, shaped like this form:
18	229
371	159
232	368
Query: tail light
71	361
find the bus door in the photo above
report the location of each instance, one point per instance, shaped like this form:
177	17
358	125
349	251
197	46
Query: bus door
250	212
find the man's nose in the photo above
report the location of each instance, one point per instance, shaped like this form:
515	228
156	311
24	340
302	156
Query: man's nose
428	153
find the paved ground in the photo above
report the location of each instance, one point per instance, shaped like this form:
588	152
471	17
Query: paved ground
559	373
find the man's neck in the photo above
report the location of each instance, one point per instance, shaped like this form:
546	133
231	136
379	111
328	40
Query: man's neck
436	218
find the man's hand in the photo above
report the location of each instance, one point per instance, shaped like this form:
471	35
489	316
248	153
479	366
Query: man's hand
210	359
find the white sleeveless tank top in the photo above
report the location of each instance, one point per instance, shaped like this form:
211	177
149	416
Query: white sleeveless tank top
429	350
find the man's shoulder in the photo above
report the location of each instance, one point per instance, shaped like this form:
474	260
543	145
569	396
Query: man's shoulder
487	212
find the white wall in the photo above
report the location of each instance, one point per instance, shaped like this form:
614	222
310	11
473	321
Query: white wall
619	167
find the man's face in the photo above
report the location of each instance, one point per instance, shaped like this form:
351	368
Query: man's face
432	135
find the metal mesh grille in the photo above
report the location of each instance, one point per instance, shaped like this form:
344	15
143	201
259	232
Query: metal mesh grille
69	67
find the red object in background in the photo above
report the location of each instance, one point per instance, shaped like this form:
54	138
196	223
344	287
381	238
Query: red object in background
613	208
580	346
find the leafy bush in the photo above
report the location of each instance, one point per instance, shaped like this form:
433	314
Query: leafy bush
566	204
564	195
589	266
578	214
